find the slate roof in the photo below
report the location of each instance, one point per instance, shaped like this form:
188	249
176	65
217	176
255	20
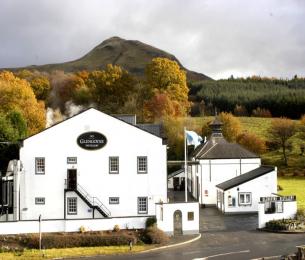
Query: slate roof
219	148
155	129
248	176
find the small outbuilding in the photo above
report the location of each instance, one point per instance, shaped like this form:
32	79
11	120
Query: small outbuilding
242	193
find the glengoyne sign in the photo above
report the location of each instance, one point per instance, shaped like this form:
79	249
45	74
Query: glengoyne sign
91	140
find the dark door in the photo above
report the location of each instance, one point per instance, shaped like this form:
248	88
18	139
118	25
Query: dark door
176	183
72	179
178	222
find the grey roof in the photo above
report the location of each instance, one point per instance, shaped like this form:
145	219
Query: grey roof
173	174
219	148
130	119
155	129
248	176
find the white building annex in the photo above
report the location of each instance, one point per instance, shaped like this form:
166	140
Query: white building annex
217	161
243	193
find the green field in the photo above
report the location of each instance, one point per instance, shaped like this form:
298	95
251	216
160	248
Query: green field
260	126
293	186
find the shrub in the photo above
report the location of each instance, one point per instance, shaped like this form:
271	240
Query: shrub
80	240
284	224
261	112
150	222
116	228
252	142
153	235
82	229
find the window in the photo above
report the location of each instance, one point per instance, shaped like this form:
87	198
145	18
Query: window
279	207
206	193
39	201
142	164
40	165
231	201
272	207
190	216
142	205
114	200
245	198
72	206
71	160
113	164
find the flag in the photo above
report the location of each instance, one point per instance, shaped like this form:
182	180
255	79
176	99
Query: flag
193	138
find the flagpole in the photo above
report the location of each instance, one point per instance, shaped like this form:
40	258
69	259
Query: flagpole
185	164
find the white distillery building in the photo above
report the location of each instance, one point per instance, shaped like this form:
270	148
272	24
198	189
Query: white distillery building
92	170
243	193
217	161
92	165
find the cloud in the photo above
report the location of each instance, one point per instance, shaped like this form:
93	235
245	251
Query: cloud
215	37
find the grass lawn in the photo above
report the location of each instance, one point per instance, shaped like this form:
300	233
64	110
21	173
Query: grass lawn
293	186
68	252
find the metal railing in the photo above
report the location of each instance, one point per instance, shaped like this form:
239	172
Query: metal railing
94	201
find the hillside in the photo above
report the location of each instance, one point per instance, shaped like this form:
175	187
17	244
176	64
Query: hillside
129	54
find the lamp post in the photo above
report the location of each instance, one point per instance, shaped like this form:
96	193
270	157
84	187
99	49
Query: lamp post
39	219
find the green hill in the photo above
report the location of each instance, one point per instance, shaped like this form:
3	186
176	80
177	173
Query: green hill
129	54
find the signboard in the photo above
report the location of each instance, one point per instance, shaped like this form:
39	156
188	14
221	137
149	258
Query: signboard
91	140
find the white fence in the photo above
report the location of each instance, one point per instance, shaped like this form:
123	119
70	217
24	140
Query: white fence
22	227
284	208
190	217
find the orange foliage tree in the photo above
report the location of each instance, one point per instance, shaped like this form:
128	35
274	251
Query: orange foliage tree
17	95
167	82
252	142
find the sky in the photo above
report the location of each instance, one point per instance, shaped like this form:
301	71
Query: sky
219	38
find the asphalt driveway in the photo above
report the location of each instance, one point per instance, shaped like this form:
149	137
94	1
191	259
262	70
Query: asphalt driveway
225	237
211	220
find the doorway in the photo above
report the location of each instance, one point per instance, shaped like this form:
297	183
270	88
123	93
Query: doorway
177	222
71	179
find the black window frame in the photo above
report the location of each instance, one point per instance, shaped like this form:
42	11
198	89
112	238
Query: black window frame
40	203
44	165
114	203
138	204
68	210
109	161
70	158
138	164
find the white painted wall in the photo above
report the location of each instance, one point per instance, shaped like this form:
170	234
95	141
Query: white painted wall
262	186
23	227
219	170
59	142
165	217
289	211
170	182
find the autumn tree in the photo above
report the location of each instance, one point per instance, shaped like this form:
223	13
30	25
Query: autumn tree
39	82
109	89
281	130
231	126
167	82
252	142
17	95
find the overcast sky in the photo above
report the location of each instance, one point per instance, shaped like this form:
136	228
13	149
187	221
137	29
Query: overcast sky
216	37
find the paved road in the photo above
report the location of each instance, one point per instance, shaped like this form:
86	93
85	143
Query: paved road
225	237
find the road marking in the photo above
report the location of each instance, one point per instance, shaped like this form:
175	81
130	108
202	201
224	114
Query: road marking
229	253
267	257
191	253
